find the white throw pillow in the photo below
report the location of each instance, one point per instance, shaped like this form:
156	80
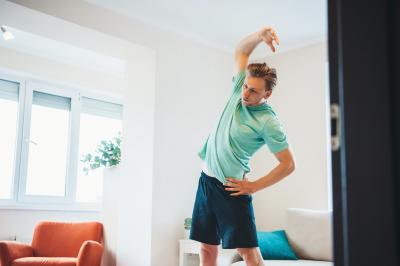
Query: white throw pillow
310	233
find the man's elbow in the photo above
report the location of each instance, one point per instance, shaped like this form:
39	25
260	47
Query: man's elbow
291	166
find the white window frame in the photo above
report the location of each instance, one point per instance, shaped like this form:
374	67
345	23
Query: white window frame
19	198
70	178
20	120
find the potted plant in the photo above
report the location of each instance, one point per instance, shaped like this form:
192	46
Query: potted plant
107	154
187	226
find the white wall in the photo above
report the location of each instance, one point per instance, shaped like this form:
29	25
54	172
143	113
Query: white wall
192	85
138	125
20	223
299	100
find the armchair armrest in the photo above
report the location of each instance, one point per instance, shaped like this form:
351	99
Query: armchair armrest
90	254
227	257
11	250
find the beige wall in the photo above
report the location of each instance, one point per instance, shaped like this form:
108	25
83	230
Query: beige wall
300	101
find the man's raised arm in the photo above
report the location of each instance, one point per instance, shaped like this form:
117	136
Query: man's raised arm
247	45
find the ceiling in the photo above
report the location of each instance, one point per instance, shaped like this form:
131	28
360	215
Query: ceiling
34	44
222	23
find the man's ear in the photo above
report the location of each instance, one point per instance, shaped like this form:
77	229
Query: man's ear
268	94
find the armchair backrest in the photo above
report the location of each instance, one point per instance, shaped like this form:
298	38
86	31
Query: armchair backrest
60	239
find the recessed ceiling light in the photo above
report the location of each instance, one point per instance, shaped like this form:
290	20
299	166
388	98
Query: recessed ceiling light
6	34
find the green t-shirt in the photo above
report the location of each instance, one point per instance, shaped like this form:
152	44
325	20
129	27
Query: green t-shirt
239	133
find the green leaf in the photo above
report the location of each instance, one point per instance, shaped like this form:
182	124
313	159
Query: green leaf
107	153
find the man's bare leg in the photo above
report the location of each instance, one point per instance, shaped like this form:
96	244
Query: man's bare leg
252	256
208	254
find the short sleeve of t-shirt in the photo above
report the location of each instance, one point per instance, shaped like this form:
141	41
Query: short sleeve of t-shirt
274	135
238	80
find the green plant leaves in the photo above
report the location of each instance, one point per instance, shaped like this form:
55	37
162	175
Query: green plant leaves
107	154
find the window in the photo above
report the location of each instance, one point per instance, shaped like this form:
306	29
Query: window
48	145
9	103
99	121
44	138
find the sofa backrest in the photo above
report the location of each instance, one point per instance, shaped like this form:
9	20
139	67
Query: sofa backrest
59	239
310	233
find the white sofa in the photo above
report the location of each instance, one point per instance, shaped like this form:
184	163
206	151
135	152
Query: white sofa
310	235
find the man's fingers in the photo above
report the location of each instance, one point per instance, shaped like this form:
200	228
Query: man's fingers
230	184
276	38
232	188
269	42
271	46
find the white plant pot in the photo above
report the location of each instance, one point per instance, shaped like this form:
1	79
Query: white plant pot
186	233
109	214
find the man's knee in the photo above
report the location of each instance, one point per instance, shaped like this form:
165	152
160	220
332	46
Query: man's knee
251	256
209	250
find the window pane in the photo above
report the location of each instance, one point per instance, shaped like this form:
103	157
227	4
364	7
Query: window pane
8	135
47	161
99	121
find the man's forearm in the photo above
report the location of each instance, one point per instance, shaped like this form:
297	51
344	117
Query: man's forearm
247	45
278	173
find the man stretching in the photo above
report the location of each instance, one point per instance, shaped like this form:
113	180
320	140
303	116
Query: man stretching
223	206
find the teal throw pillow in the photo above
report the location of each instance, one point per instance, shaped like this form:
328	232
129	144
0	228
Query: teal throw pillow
275	246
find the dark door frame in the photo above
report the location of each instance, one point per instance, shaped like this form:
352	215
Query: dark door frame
363	43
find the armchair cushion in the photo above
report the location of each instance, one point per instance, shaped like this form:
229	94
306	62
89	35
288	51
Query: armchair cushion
45	261
10	250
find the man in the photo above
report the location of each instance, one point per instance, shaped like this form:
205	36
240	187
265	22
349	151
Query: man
223	207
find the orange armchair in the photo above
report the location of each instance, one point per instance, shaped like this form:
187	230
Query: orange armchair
57	244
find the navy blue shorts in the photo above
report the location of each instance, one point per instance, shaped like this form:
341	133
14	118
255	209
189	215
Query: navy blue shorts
218	215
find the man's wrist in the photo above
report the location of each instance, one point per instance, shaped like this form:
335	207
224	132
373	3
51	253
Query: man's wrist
260	35
257	186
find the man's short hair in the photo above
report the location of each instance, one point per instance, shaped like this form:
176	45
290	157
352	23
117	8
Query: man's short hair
262	70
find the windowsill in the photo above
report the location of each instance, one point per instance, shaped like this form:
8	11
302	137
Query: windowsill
77	207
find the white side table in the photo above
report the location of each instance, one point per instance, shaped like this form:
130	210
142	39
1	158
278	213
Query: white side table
187	246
